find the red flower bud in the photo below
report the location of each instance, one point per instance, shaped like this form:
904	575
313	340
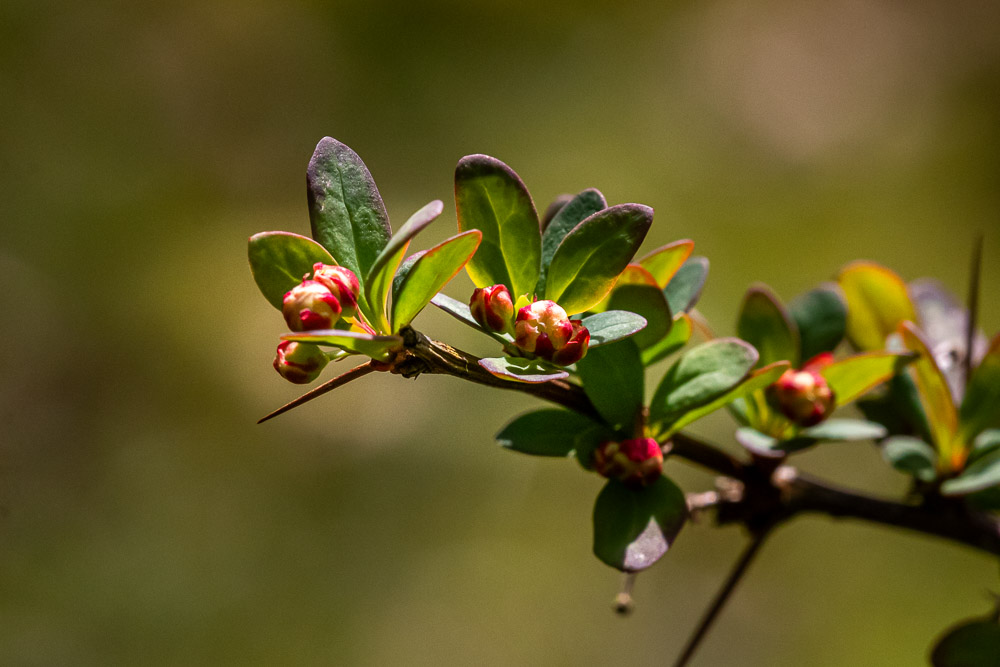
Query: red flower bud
493	308
310	306
342	283
300	363
804	396
544	330
635	462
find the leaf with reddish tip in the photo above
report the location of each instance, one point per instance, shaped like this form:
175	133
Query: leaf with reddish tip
666	260
614	380
980	409
852	377
522	370
942	417
820	316
379	280
634	528
374	346
490	197
576	210
589	259
684	289
429	273
766	324
279	260
877	303
633	274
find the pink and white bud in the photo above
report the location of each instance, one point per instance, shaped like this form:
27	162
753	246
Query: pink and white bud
493	308
299	363
804	396
310	306
635	462
342	283
544	330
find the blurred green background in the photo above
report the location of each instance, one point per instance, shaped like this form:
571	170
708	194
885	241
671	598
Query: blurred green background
148	520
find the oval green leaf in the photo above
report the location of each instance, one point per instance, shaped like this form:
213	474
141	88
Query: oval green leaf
614	380
279	260
765	323
820	316
429	273
845	430
911	456
647	301
877	303
575	211
684	289
983	473
676	338
551	432
612	325
634	528
971	644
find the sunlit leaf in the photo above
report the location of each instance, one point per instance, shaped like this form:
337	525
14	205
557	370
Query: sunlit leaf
684	289
589	258
765	323
665	261
911	456
981	407
844	429
649	302
575	211
551	432
634	528
852	377
612	325
374	346
614	380
877	303
942	417
676	338
429	273
490	197
522	370
821	318
633	274
279	260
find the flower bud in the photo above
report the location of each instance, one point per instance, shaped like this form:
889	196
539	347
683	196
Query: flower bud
636	462
544	330
300	363
804	396
342	283
310	306
493	308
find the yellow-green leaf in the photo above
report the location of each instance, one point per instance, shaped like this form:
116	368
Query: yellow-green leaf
877	303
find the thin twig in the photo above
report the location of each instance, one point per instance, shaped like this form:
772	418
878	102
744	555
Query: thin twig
330	385
973	305
721	598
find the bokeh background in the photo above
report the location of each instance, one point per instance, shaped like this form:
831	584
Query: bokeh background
147	519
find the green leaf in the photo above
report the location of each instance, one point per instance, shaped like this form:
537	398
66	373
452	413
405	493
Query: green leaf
935	397
854	376
756	381
982	473
845	429
345	209
589	259
633	274
551	432
701	375
981	406
374	346
576	210
821	318
665	261
634	528
986	443
517	369
649	302
685	287
971	644
380	276
279	260
765	323
877	303
768	446
676	338
429	273
461	312
911	456
614	380
554	207
490	197
612	325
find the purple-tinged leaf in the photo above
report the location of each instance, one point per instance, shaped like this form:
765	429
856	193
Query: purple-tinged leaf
516	369
634	528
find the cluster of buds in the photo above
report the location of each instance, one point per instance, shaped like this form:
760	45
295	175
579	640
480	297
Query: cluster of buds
493	308
543	329
320	302
635	462
804	396
300	363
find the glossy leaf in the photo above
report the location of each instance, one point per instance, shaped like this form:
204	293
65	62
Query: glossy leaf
576	210
374	346
614	380
490	197
279	260
759	380
877	303
935	398
551	432
554	207
633	274
766	324
665	261
982	473
981	407
970	644
820	315
345	209
612	325
634	528
845	429
701	375
649	302
676	338
685	287
911	456
429	273
522	370
589	259
852	377
379	280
